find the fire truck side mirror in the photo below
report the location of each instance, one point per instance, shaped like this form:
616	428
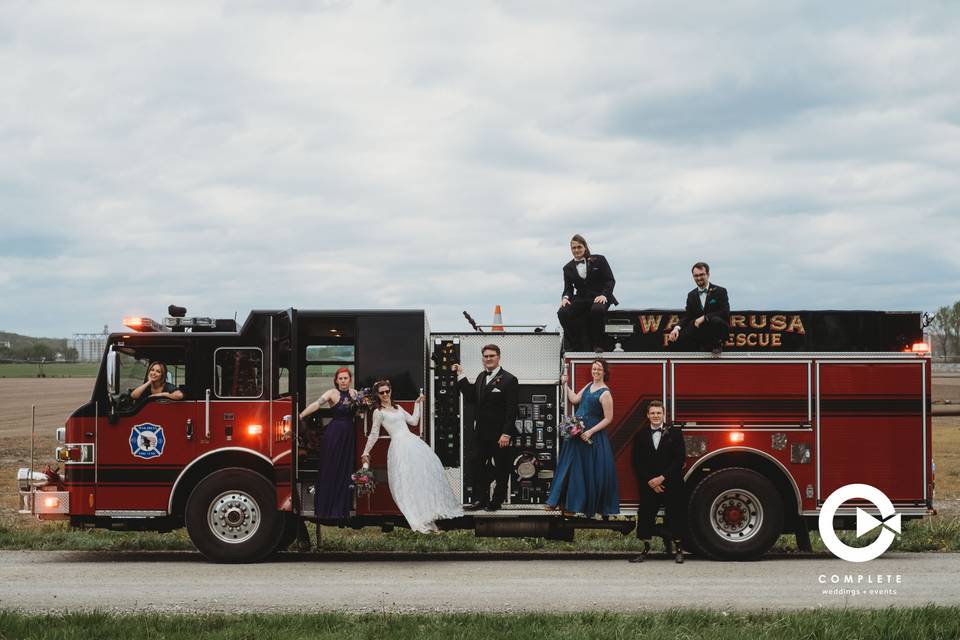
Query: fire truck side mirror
113	373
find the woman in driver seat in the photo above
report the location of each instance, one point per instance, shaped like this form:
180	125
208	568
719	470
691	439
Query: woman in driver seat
156	384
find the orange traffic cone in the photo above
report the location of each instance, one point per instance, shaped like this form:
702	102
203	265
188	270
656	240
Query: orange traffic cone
497	320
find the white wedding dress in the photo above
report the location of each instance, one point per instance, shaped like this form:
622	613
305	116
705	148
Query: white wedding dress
415	474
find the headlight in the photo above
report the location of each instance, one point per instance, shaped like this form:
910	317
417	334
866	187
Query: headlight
27	479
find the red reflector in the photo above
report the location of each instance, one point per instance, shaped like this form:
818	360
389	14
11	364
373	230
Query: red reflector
736	436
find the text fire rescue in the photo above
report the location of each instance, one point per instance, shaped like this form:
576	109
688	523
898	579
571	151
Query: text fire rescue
768	332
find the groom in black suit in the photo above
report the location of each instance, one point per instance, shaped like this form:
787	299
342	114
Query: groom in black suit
705	322
494	395
658	456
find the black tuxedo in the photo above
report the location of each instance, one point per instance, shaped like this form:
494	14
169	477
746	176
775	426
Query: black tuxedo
667	461
582	319
495	404
715	326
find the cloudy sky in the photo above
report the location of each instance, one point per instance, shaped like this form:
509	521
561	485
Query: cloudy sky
227	156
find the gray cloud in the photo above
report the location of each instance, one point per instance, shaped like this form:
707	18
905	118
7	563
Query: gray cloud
335	154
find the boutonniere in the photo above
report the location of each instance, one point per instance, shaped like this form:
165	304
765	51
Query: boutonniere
497	380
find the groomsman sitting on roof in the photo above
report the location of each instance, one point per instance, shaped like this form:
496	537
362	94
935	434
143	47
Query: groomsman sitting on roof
704	325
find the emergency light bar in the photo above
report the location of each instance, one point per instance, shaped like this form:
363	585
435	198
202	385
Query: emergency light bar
138	323
189	323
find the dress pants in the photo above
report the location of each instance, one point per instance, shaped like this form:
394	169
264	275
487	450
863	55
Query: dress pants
583	324
493	463
675	517
711	333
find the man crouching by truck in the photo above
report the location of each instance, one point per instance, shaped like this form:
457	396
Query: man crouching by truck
658	456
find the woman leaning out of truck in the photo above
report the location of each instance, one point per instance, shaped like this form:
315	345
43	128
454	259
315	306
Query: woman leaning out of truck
156	385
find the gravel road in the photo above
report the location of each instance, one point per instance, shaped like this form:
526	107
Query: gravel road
180	582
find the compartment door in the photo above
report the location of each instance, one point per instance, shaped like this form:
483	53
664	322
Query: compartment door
871	427
633	385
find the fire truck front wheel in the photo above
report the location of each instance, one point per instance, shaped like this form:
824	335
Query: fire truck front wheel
232	516
735	514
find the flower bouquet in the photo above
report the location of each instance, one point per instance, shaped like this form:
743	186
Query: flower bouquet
572	427
363	482
364	400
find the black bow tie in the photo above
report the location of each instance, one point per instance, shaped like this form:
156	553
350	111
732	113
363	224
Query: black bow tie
660	428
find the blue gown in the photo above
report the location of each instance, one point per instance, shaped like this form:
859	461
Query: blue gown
586	479
333	497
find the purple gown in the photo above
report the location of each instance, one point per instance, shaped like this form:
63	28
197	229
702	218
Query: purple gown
333	497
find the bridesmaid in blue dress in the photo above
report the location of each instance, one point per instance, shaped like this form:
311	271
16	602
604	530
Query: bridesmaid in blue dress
333	497
586	480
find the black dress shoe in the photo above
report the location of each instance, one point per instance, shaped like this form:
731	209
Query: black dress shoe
494	506
717	350
475	506
643	554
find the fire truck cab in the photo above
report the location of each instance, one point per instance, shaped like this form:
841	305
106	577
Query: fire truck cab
799	404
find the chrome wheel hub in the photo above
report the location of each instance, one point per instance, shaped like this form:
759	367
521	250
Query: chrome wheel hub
234	516
736	515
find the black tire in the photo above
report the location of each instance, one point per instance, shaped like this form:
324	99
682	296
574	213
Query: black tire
232	516
735	514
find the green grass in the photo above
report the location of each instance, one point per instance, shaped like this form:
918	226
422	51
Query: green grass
930	623
55	536
938	533
51	370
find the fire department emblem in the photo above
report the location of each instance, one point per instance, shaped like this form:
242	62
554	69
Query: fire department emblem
146	440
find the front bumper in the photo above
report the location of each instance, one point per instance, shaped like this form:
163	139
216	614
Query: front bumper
43	501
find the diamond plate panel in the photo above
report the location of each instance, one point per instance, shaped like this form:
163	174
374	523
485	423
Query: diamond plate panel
51	502
455	480
529	356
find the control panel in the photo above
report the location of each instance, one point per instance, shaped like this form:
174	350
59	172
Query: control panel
536	446
446	402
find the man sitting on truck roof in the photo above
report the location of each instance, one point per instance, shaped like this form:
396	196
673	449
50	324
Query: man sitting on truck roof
704	325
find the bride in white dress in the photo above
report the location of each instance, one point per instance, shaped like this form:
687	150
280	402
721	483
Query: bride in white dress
415	474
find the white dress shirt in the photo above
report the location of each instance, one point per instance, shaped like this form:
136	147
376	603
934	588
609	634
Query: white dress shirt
657	434
582	268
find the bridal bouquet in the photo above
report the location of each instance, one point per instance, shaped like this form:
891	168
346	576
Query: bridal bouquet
363	482
571	427
363	400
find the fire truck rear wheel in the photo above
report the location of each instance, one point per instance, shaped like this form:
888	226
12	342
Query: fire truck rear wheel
232	516
735	514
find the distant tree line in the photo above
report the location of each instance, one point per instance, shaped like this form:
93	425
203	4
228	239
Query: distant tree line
945	330
25	348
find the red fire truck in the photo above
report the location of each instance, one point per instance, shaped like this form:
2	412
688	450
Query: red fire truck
799	404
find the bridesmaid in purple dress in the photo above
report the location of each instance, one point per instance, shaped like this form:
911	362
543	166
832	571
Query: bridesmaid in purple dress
334	498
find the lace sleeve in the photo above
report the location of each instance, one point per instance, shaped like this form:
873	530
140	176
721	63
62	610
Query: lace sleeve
413	420
374	431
